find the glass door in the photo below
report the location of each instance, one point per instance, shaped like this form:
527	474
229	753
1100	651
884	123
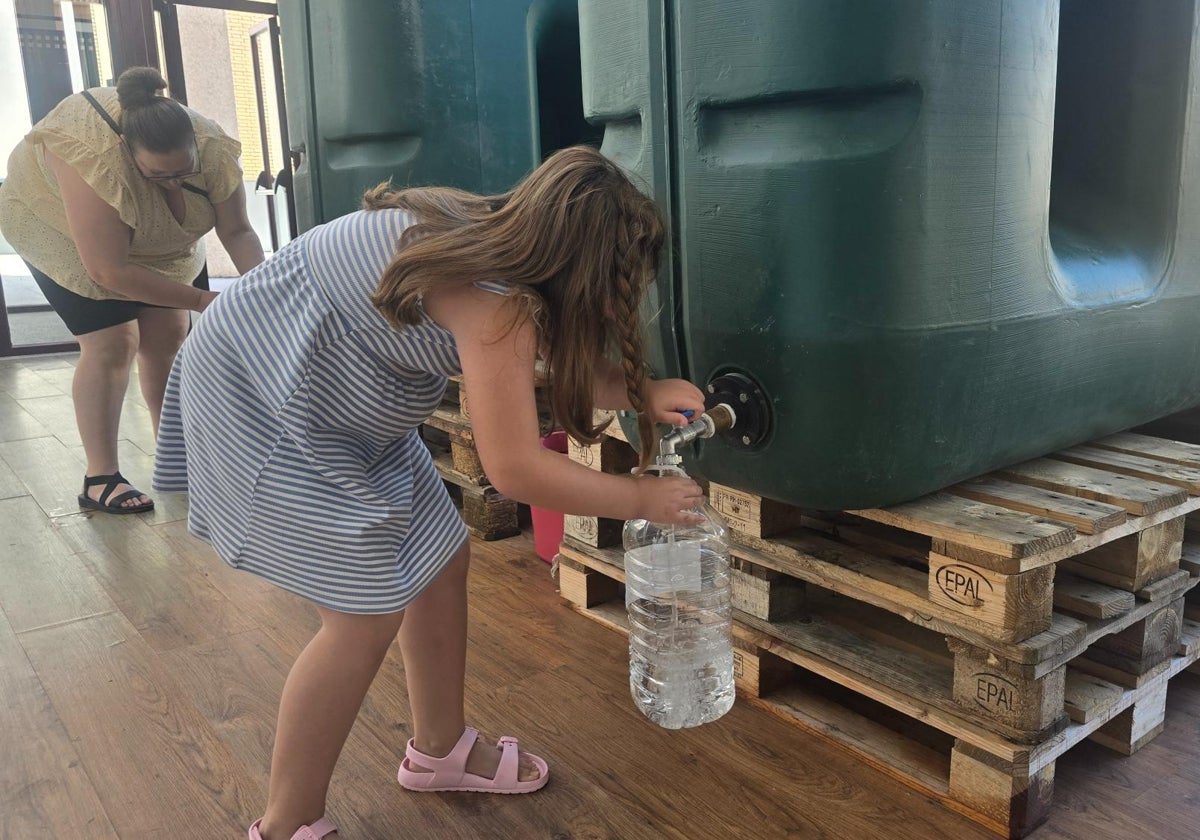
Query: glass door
48	50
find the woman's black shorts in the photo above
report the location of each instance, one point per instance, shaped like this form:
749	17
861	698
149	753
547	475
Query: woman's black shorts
84	315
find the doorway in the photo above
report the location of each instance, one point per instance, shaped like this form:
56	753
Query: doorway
48	50
220	57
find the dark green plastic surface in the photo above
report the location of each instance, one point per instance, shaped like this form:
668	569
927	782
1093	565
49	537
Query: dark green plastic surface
945	235
464	93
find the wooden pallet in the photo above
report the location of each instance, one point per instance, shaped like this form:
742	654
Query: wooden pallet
1190	562
457	400
614	455
450	427
999	556
455	432
887	670
489	514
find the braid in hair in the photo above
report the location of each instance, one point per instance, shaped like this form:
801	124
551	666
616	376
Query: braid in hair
629	285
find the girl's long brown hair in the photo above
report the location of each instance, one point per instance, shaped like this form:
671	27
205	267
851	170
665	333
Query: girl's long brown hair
577	243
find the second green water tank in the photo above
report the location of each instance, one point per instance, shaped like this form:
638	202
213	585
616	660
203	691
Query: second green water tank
942	235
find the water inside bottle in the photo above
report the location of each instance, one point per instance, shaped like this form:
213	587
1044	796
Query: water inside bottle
680	659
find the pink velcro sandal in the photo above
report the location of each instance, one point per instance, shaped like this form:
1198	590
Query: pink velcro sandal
450	774
315	831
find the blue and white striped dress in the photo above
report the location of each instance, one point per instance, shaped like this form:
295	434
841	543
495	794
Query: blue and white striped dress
291	420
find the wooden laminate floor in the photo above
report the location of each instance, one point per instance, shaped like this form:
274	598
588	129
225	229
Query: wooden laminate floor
139	678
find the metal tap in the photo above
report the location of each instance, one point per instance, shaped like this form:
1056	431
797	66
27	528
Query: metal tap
717	419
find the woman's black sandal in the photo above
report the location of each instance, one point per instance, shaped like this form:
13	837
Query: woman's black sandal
108	504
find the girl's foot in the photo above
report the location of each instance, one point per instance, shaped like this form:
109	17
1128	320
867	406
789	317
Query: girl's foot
472	765
484	760
322	829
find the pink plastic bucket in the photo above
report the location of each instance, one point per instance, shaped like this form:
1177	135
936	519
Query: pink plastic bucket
548	524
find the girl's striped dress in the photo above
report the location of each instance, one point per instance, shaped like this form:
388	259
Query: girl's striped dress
291	419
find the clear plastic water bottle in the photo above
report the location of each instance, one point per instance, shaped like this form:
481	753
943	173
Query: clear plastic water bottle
677	596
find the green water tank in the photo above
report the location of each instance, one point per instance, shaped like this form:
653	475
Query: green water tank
464	93
937	236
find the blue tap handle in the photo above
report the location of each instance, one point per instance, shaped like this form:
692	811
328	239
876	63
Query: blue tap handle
687	413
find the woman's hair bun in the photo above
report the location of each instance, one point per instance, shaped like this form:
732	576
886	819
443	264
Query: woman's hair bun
138	87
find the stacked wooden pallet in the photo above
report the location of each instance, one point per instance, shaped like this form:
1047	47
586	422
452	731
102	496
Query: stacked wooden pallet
489	514
612	454
964	641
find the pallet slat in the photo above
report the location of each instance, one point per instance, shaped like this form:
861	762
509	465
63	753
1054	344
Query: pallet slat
1081	544
985	527
1132	465
1087	516
1177	452
1138	497
1088	598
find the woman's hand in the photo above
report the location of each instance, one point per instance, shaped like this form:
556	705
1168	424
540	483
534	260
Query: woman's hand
205	298
666	399
668	500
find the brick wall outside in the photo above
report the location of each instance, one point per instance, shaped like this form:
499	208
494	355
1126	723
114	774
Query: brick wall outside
239	25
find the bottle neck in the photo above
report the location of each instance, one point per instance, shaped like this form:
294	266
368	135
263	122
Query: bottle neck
664	466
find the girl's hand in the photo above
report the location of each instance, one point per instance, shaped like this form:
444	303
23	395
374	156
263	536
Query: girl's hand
666	399
668	500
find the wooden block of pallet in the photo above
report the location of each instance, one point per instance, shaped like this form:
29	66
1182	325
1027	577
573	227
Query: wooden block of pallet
1144	645
1135	727
613	430
1015	606
1015	798
466	459
1134	561
455	398
596	531
752	514
457	429
756	673
609	455
1028	708
583	586
764	593
489	514
490	517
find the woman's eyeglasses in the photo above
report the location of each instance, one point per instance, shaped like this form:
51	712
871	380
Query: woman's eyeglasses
178	176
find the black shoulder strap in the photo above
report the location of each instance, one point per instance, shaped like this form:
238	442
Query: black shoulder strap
117	128
100	110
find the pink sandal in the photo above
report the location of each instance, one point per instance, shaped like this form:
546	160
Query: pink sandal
449	773
315	831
